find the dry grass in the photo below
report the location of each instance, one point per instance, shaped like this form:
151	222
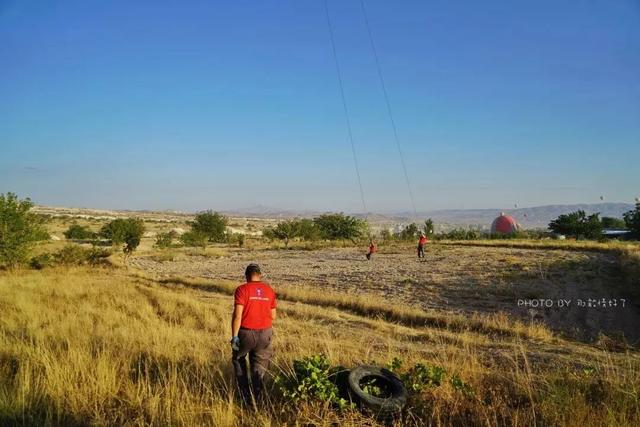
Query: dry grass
101	347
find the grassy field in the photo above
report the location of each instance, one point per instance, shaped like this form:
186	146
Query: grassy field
82	346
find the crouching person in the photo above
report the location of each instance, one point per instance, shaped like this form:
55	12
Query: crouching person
253	315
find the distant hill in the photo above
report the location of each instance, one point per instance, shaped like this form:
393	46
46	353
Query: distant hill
532	217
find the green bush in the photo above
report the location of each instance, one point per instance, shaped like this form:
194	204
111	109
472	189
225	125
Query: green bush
72	255
632	221
577	224
611	222
408	233
339	226
312	380
79	232
420	377
194	239
124	232
212	225
165	240
41	261
19	230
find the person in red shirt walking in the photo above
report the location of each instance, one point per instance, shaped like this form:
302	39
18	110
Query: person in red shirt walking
253	315
421	242
372	250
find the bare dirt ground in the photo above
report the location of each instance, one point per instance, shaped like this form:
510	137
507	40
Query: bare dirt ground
460	279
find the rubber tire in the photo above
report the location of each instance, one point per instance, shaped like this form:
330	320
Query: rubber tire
382	408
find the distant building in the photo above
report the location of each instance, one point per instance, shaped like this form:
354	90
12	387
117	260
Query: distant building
504	224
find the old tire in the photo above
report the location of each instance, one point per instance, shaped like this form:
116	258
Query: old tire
383	408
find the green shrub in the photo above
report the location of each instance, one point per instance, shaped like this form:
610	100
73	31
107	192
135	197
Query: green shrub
79	232
419	377
340	226
212	225
165	240
632	221
124	232
408	233
194	239
19	230
77	255
577	224
41	261
611	222
312	380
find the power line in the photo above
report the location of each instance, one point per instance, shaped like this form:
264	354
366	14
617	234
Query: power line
389	111
344	105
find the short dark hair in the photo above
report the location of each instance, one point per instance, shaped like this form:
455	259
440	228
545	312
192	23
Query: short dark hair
251	270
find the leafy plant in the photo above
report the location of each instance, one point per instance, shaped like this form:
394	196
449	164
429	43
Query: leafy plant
124	232
41	261
78	232
410	232
77	255
632	221
577	224
458	384
165	240
312	380
211	225
194	239
611	222
19	229
340	226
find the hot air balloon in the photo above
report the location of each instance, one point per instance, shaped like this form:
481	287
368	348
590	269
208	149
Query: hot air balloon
504	224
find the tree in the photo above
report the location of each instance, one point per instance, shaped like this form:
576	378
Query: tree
410	232
610	222
212	225
124	232
19	229
340	226
632	221
577	224
78	232
285	230
427	228
164	240
307	229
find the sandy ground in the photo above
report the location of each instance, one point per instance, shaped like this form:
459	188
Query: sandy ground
461	279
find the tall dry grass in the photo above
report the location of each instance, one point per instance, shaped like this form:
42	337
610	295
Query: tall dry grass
101	347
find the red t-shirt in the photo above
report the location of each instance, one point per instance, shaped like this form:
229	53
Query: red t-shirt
372	249
422	241
258	299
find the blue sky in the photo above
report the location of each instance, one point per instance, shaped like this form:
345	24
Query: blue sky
196	105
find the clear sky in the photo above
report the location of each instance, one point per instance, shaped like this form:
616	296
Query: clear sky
196	105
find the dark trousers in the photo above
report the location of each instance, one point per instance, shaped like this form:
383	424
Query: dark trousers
256	343
420	251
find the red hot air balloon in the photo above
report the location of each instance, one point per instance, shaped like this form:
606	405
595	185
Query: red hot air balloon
504	224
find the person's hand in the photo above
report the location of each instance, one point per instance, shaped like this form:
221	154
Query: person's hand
235	343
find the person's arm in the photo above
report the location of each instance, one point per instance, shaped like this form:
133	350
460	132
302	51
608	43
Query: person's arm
236	319
273	314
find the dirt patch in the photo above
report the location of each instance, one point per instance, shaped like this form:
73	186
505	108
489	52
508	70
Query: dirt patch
460	279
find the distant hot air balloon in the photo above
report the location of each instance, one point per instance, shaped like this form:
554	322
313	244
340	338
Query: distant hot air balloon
515	206
601	198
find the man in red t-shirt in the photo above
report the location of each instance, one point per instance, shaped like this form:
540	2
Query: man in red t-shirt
421	243
372	250
253	314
